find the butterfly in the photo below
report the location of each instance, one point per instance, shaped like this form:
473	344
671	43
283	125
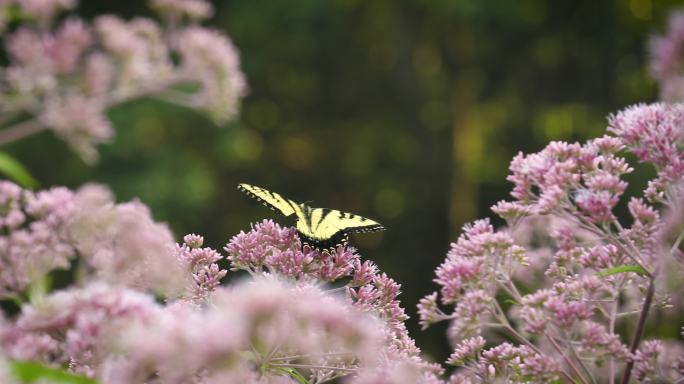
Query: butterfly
320	228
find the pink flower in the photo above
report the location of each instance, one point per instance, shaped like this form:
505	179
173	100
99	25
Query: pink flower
124	245
253	324
456	275
270	247
666	58
472	310
36	238
210	58
44	10
511	210
514	364
71	326
138	48
99	74
428	310
53	54
202	262
651	132
58	71
80	121
466	350
250	250
475	259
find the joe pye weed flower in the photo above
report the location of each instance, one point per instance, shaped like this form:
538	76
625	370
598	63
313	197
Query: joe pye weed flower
64	74
582	317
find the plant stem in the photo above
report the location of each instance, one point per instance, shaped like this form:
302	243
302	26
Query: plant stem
294	357
574	353
567	360
611	361
20	130
677	243
640	329
32	126
507	325
306	366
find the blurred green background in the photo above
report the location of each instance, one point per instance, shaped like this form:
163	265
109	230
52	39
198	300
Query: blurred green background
407	112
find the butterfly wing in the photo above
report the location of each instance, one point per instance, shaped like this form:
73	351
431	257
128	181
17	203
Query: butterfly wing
325	223
271	199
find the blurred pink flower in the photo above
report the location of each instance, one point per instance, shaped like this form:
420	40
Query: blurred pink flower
123	245
63	74
45	10
80	121
667	52
275	323
35	239
209	58
72	326
118	243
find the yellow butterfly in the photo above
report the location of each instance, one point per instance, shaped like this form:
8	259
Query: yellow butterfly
320	228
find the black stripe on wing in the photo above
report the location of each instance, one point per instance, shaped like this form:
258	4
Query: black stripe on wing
324	212
368	229
358	224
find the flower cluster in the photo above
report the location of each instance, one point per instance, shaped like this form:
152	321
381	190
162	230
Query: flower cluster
591	271
271	249
583	180
283	323
503	363
666	53
64	75
469	278
202	262
117	243
72	326
275	249
654	134
258	331
258	328
33	239
656	361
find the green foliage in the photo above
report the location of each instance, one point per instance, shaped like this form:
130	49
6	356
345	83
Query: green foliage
623	269
32	372
14	170
293	373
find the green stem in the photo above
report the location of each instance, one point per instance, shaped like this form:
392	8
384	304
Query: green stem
567	360
640	329
611	325
306	366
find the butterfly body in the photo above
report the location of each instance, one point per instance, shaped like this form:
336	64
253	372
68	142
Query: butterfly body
321	228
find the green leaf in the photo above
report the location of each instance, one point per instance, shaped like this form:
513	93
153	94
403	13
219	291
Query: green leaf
14	14
294	374
15	171
623	269
30	372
